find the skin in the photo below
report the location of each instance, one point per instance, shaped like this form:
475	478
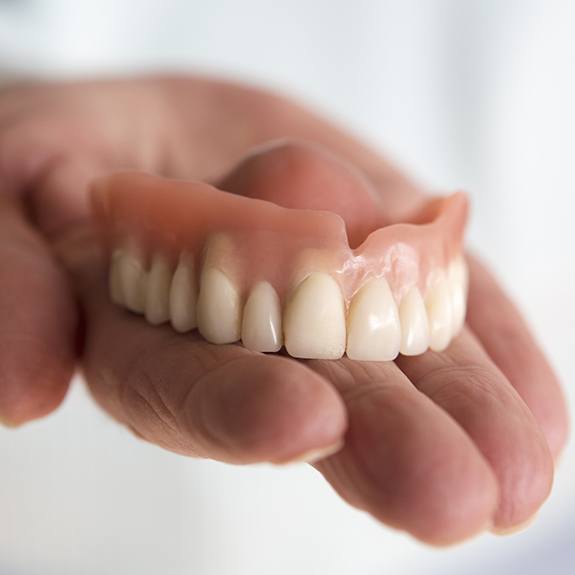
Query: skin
442	445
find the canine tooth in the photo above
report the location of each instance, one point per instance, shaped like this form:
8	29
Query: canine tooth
114	282
414	324
373	328
261	324
183	295
438	304
158	290
314	320
219	309
132	276
458	282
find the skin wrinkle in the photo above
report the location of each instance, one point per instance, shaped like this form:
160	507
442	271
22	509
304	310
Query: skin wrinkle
448	378
162	412
127	396
155	389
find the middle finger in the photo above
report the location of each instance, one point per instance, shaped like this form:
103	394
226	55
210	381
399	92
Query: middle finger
472	390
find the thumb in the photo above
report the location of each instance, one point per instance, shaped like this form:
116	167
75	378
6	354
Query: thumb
37	320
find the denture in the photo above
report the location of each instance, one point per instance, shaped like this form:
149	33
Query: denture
238	268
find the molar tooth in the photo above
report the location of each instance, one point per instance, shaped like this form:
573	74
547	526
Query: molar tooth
114	283
158	290
373	329
414	323
314	320
183	295
219	307
458	278
261	325
132	279
438	304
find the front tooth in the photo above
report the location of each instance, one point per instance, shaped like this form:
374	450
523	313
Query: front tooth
458	282
114	282
261	324
414	324
373	329
219	308
314	321
132	279
183	295
158	290
439	314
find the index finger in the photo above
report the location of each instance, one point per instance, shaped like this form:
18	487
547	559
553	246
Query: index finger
186	395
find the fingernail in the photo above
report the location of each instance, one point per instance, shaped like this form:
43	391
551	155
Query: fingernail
315	455
502	531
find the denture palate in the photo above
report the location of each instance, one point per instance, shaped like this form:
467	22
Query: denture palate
244	269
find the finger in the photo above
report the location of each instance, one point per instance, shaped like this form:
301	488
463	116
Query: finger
38	319
508	341
468	386
188	396
406	461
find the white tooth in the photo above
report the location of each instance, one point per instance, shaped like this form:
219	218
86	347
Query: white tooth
114	283
158	290
438	304
373	328
219	308
314	320
262	322
458	281
183	295
133	279
414	324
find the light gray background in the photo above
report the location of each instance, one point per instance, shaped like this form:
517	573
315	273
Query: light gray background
476	94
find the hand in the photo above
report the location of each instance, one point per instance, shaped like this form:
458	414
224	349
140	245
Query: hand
441	445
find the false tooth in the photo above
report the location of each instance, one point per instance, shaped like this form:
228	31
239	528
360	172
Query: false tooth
132	279
183	295
158	290
114	283
414	323
373	328
438	304
261	324
219	307
314	320
458	281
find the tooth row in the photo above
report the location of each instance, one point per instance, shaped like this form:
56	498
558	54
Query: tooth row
314	323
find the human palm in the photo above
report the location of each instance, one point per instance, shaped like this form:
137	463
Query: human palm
441	445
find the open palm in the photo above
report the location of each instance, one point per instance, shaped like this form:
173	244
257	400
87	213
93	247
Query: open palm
441	445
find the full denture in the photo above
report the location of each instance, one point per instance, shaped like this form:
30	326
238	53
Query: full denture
240	268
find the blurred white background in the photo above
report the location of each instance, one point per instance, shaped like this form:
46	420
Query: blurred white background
477	95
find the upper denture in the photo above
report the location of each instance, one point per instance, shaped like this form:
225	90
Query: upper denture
235	243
